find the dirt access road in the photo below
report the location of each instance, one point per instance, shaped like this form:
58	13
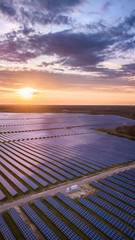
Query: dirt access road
62	188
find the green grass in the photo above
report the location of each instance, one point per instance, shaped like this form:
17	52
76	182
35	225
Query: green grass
1	237
14	229
69	224
122	131
49	223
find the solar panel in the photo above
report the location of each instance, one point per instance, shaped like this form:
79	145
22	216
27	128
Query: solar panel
117	203
8	187
14	180
89	217
48	160
19	174
114	193
113	210
5	231
108	218
26	232
70	234
42	226
2	195
73	219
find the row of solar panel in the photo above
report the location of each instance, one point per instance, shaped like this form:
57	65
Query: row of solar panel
70	234
45	159
112	209
120	182
86	230
108	218
96	204
124	179
90	218
23	157
40	134
105	186
17	156
118	188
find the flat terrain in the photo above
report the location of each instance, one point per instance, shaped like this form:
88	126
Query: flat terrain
80	183
44	153
121	131
40	151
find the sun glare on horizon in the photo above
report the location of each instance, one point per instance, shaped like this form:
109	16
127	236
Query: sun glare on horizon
26	92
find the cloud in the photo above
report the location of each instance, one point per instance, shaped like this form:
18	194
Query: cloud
43	12
130	21
58	6
129	69
6	8
77	49
107	5
67	82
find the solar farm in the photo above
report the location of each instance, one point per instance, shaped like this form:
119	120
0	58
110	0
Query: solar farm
43	154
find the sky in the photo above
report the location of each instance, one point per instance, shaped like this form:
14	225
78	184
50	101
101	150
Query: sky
67	51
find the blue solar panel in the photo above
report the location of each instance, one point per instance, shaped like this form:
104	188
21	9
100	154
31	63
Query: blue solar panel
8	187
13	179
73	219
24	169
38	157
29	159
2	195
127	176
57	221
125	179
21	225
105	216
69	160
117	203
114	193
89	217
113	210
49	160
118	188
78	154
70	155
5	231
42	226
121	183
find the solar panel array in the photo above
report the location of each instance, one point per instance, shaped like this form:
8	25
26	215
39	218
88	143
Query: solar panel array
5	231
40	150
106	214
28	235
32	165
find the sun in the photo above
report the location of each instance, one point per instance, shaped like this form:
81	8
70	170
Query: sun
26	92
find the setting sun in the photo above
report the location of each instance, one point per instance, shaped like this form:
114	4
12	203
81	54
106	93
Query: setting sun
26	92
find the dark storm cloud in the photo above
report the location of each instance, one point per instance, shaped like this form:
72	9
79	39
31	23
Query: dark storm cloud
79	51
6	8
129	68
76	49
130	21
43	19
58	6
41	11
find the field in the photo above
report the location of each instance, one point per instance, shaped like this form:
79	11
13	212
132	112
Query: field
121	131
42	152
